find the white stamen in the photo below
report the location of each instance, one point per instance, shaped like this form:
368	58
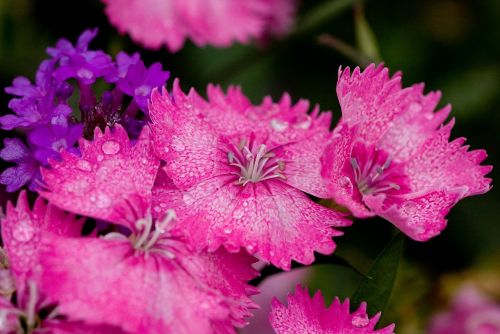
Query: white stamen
255	167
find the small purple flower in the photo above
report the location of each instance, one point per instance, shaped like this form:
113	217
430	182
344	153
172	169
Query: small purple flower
140	81
27	169
80	63
48	141
42	112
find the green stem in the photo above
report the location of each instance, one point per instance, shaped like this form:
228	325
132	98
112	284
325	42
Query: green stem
321	14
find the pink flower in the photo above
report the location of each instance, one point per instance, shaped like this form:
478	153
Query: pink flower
24	231
236	172
391	155
150	281
154	23
309	315
470	313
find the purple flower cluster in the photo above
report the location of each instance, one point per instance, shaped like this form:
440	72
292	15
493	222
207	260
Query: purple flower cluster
42	111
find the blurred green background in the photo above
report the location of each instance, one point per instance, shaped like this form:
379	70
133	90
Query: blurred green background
451	45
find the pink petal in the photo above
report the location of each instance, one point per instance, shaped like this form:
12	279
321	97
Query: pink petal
276	222
342	187
23	228
106	281
439	163
110	171
421	217
309	315
156	22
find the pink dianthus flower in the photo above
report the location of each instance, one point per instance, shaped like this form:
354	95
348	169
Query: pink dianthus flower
148	280
309	315
391	156
154	23
24	232
236	173
470	313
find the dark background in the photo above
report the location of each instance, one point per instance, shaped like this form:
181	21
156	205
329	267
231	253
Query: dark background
452	46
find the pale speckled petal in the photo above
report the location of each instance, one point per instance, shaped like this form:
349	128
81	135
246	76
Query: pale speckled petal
309	315
421	217
110	171
274	221
23	229
150	293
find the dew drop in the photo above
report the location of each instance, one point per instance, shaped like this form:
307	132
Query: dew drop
306	124
103	201
23	231
360	320
238	213
250	248
188	198
177	144
228	230
410	208
84	165
278	125
100	157
111	147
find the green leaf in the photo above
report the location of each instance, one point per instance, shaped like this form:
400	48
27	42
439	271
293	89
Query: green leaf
376	290
365	37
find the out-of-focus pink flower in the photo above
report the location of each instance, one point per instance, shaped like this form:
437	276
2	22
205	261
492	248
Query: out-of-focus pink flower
148	280
391	155
470	313
154	23
309	315
236	172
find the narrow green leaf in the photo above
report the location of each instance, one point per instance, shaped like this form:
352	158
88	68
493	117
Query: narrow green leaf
365	37
321	14
377	289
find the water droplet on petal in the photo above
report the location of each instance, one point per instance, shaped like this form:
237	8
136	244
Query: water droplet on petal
177	144
103	201
306	124
23	231
111	147
250	248
238	213
228	230
100	157
346	184
409	208
279	125
188	198
84	165
360	320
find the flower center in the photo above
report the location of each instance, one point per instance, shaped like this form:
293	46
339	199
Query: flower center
374	171
149	236
255	163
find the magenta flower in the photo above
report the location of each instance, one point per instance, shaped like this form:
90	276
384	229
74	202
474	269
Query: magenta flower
391	155
146	280
24	234
309	315
236	173
470	312
154	23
